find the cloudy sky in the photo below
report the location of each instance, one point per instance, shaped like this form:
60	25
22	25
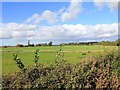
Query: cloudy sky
58	22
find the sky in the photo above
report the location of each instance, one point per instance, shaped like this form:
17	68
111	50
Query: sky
59	22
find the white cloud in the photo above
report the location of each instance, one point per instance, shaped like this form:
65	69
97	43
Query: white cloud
72	11
15	26
100	5
63	14
60	31
49	16
35	18
22	34
46	15
57	32
60	11
77	31
5	34
14	30
112	5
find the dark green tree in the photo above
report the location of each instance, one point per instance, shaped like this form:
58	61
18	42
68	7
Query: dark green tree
50	44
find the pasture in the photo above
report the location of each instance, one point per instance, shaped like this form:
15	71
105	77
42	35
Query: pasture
47	55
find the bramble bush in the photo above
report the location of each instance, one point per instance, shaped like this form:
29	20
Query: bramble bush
102	72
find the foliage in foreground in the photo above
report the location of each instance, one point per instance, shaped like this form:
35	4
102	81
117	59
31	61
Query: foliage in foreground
102	72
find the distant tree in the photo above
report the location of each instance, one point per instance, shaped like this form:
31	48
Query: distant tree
26	46
44	44
50	44
19	45
28	42
4	46
32	45
38	44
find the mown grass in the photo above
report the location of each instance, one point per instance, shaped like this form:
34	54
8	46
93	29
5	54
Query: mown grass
73	54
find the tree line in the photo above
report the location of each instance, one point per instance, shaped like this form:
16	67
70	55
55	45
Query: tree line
33	45
104	43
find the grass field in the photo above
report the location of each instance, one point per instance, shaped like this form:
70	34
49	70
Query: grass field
47	54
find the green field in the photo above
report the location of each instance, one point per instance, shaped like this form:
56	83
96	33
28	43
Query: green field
47	54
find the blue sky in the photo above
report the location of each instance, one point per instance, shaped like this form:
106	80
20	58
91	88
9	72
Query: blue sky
90	14
58	21
27	9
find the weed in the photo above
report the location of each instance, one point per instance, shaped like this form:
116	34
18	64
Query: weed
36	58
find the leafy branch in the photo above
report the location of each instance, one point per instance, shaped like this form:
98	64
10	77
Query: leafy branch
19	62
36	58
